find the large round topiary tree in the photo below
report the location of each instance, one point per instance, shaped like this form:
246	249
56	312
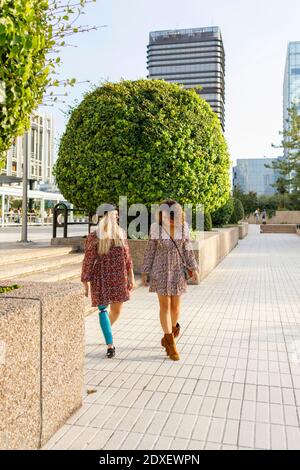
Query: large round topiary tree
147	140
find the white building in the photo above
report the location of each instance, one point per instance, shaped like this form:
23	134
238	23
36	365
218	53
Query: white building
40	154
40	148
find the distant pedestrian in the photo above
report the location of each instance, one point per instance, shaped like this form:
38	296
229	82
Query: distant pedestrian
107	266
264	217
168	262
257	216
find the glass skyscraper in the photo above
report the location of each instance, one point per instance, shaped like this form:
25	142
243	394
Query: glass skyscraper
191	57
291	87
251	175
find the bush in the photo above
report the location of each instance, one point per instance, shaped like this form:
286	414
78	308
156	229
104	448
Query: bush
238	213
222	216
207	222
148	140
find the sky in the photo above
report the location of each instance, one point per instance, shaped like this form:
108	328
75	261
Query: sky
255	35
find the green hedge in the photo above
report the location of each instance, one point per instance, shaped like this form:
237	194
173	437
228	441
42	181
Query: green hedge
238	213
223	215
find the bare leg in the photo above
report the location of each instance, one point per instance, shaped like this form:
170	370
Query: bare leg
165	313
175	309
114	312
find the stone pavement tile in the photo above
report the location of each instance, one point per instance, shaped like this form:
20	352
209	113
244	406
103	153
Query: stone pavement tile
98	419
186	426
115	441
293	438
262	436
246	434
171	424
163	443
157	423
114	419
231	432
179	444
89	415
201	428
195	445
147	442
216	430
143	421
132	441
167	402
129	420
278	438
83	440
68	437
212	446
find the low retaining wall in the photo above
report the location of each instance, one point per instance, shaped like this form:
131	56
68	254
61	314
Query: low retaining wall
209	252
281	228
243	229
41	361
281	217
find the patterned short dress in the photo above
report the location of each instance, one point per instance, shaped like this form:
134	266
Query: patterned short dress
163	263
107	274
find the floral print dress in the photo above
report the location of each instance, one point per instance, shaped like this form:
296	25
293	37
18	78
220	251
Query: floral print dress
163	263
107	274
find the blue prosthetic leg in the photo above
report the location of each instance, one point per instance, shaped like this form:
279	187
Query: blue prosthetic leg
105	324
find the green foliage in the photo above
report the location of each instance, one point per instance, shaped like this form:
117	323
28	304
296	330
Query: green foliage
147	140
249	201
6	289
32	33
288	167
223	215
24	38
207	222
270	203
238	213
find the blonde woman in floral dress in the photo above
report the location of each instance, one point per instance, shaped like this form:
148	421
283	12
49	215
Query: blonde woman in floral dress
108	271
168	262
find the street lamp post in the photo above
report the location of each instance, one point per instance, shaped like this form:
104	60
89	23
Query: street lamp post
24	238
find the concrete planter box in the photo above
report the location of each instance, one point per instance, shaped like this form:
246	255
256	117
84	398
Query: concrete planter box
209	252
41	361
278	228
243	229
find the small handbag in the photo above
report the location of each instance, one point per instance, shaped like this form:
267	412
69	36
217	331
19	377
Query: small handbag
188	273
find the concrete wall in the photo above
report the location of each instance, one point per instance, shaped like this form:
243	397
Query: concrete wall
209	252
281	217
41	361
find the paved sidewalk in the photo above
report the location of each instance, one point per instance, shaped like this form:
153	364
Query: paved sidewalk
238	383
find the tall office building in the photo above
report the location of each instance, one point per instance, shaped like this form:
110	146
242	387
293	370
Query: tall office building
291	87
191	57
251	175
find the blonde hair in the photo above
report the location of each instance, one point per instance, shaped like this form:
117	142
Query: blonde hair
109	233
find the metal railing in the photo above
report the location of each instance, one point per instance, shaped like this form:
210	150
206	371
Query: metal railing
63	216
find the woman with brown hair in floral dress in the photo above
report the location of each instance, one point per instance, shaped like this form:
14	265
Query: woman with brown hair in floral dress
107	266
168	262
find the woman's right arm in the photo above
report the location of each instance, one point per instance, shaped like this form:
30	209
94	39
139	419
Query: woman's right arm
90	254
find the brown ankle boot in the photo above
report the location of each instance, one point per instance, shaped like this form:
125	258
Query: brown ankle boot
171	347
176	333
